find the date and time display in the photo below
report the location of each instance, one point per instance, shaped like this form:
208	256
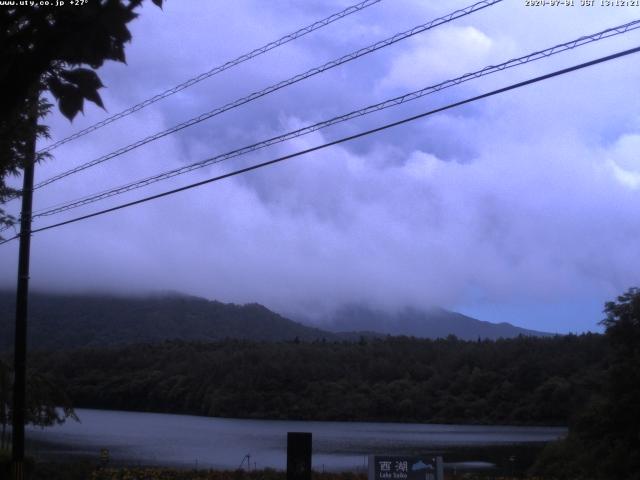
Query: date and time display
581	3
527	3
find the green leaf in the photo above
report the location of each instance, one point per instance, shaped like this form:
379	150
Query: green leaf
94	96
70	97
157	3
87	82
83	78
56	87
70	104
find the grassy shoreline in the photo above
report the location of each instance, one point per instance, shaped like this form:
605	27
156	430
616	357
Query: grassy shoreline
506	457
64	466
84	470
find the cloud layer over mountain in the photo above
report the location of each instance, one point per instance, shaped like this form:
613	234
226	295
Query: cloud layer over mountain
529	198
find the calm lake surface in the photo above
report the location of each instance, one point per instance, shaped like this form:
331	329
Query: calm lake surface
189	441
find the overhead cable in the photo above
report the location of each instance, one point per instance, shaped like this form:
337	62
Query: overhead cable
214	71
541	54
514	86
285	83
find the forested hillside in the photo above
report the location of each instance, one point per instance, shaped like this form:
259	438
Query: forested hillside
421	323
72	321
516	381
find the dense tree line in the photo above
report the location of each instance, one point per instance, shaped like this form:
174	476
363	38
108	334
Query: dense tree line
604	437
518	381
46	401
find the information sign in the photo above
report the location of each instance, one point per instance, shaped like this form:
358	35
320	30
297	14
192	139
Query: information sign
387	467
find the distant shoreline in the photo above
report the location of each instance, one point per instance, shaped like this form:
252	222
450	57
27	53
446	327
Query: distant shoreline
134	439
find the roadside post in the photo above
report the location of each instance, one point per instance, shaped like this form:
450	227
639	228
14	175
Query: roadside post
298	456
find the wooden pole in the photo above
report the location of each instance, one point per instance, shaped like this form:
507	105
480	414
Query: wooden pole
22	300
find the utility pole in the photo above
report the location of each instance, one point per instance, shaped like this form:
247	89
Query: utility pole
22	299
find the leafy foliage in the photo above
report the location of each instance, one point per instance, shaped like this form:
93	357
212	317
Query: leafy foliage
16	135
43	47
48	43
604	439
47	402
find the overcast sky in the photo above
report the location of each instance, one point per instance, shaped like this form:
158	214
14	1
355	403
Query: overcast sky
520	208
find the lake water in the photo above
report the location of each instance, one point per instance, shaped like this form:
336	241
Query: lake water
189	441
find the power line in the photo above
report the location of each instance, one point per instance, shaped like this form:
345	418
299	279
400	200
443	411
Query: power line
344	139
541	54
285	83
214	71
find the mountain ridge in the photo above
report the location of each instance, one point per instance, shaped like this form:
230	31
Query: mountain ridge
99	320
432	323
